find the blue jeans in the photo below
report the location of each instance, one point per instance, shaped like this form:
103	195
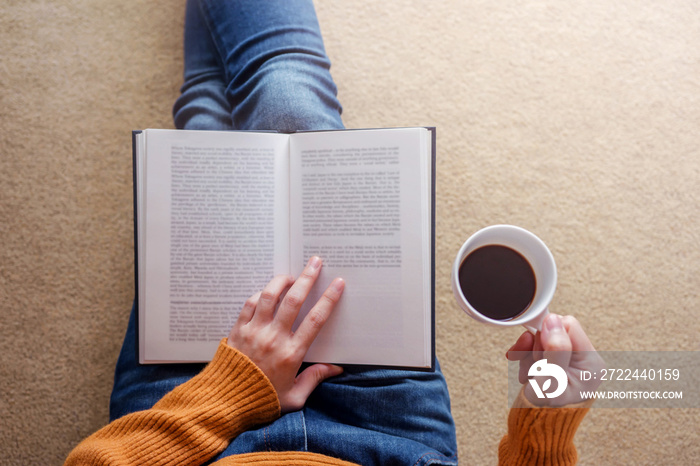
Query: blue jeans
252	67
256	65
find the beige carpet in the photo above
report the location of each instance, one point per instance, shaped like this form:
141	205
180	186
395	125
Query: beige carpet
577	120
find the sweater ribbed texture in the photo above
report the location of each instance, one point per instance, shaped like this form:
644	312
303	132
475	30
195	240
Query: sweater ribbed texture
541	436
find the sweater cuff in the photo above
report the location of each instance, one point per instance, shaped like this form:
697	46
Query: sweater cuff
231	383
543	436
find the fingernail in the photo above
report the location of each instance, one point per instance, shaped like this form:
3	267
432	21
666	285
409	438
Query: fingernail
315	262
339	285
554	324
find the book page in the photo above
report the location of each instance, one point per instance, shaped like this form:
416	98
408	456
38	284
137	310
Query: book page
216	232
361	201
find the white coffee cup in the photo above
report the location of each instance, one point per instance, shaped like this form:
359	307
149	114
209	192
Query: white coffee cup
534	251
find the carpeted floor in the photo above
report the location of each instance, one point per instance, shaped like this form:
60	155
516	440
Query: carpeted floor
576	120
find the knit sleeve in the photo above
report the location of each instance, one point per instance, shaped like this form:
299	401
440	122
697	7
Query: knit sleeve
541	436
192	423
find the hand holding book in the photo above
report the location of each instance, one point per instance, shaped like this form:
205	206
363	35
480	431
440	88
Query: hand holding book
263	332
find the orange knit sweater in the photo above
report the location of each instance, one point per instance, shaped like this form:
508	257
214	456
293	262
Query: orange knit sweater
198	419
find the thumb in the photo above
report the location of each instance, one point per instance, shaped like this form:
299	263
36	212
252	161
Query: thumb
556	343
309	379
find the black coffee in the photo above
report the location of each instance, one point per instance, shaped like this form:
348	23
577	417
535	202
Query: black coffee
497	281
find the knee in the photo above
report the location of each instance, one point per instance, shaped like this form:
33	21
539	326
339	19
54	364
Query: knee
287	96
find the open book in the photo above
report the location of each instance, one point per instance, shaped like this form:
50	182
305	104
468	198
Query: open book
219	213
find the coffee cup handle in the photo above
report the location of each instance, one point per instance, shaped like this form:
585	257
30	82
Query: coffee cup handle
535	325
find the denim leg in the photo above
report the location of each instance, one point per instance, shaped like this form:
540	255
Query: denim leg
202	103
276	68
383	417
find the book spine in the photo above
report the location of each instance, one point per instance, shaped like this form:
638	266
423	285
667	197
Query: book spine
134	143
433	204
